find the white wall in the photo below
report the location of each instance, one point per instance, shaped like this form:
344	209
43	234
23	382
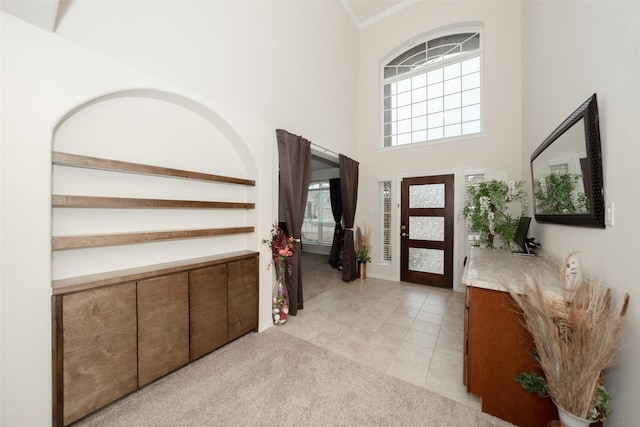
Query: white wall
234	76
570	51
496	152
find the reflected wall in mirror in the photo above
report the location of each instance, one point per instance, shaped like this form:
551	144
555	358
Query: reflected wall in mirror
566	171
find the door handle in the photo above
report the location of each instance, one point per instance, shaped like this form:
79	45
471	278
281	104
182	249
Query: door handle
403	234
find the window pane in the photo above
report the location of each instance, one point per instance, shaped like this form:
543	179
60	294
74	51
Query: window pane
453	130
404	126
435	133
419	81
471	65
404	112
452	101
452	86
471	81
426	196
451	71
471	113
434	76
419	94
434	105
387	90
419	123
471	127
419	136
452	116
426	260
404	139
435	120
404	99
435	90
426	228
419	109
471	97
404	85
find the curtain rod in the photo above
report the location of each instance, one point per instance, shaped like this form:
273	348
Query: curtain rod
314	145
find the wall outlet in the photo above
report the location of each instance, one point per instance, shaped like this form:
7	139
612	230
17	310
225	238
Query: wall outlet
609	216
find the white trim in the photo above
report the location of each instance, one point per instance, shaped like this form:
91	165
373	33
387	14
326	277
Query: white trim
387	13
433	142
350	12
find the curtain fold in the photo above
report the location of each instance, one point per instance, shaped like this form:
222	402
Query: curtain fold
349	195
336	209
294	154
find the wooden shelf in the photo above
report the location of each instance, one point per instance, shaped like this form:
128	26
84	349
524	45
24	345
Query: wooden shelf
96	280
96	240
70	201
75	160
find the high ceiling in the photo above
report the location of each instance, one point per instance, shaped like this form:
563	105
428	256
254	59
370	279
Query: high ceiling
44	13
366	12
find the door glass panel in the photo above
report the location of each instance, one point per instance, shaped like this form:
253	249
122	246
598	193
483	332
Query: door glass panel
426	196
426	260
426	228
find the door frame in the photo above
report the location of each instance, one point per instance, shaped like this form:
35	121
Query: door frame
458	200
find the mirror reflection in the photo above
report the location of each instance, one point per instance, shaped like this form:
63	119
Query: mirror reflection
561	174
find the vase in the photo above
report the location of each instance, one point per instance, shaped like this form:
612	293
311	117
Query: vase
569	420
280	301
362	270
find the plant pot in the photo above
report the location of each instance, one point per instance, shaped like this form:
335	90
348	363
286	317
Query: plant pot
569	420
362	270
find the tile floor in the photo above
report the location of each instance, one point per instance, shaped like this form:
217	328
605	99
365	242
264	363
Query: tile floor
409	331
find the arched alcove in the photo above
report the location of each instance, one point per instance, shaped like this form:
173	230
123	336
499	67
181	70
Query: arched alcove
159	129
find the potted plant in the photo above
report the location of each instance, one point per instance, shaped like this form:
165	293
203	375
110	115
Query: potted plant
363	247
489	206
576	335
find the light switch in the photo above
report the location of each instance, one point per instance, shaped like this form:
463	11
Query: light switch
609	217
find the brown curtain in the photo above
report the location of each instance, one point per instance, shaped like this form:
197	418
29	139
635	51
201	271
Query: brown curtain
294	153
336	209
349	191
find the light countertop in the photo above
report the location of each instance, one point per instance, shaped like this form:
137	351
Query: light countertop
490	268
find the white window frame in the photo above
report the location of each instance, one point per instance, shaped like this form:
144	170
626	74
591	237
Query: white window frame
425	38
386	256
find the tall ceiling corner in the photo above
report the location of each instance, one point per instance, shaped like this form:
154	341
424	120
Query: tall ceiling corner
41	13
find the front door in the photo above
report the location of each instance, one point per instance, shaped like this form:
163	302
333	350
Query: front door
426	230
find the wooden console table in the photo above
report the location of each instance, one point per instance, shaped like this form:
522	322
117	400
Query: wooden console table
497	346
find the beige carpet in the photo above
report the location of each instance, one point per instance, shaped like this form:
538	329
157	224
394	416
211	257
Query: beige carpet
254	381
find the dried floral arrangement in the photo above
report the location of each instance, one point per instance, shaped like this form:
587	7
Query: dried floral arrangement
281	247
576	338
363	244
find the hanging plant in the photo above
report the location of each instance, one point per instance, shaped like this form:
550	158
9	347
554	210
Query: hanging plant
488	209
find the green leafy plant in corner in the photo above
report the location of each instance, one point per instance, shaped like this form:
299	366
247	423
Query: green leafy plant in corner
488	209
557	193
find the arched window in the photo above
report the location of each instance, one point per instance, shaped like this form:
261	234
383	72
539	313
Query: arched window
432	90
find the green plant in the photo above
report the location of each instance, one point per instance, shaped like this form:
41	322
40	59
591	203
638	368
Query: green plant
488	207
534	383
557	193
363	245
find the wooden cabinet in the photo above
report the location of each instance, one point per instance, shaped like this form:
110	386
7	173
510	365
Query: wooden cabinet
163	326
116	332
208	309
497	348
99	353
243	297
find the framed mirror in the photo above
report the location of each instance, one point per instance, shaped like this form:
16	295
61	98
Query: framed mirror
566	171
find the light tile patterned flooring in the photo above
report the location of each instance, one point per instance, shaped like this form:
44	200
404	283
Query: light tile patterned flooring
409	331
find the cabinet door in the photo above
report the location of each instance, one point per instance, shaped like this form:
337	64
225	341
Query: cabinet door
99	348
243	297
163	325
208	309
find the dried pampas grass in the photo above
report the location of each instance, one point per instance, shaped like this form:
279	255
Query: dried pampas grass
576	336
